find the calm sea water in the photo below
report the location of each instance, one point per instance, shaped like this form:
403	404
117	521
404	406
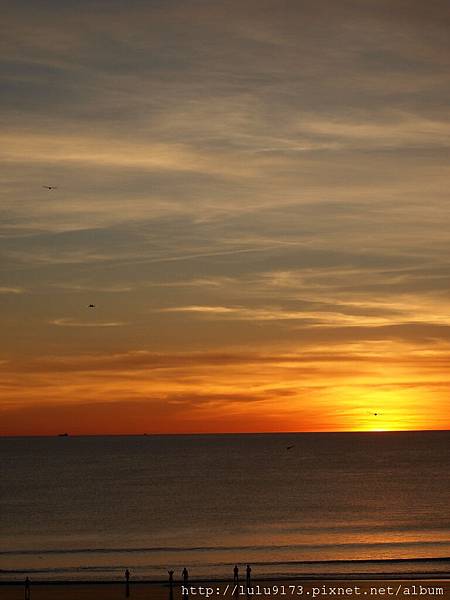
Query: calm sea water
89	507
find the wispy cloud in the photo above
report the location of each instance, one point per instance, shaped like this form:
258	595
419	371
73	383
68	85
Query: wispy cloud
11	290
108	289
311	318
338	313
116	153
395	130
69	322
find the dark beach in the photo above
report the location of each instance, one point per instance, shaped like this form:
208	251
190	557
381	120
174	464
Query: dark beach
273	588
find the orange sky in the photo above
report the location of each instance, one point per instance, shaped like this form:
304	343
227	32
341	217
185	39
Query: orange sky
254	196
364	388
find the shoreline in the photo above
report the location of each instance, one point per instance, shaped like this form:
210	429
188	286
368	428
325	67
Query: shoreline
197	581
274	589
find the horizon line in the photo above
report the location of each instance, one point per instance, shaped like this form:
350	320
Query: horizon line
148	434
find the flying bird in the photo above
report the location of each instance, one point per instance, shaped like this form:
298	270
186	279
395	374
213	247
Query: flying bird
289	447
50	187
91	306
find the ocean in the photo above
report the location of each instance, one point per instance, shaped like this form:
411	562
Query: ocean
87	508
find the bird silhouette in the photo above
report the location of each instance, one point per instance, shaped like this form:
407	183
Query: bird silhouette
50	187
91	306
289	447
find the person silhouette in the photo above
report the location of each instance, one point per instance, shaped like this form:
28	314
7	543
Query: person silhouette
248	571
27	589
170	585
185	575
127	583
236	574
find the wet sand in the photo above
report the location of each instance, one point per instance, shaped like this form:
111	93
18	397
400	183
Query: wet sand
271	589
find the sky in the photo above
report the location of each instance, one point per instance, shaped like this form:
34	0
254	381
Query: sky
255	196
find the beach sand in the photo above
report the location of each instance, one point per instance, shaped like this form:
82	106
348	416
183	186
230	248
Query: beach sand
272	589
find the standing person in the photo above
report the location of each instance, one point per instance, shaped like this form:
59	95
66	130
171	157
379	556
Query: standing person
236	574
27	589
185	575
248	572
127	583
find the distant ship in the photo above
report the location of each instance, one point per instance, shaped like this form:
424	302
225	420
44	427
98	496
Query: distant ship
63	435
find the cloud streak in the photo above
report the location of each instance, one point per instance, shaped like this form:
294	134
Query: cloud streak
70	322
